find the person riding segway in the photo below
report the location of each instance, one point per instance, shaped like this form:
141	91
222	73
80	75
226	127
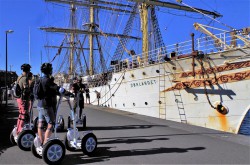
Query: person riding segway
78	89
74	140
22	134
45	92
87	95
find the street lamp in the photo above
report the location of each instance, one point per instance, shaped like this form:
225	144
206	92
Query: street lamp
6	70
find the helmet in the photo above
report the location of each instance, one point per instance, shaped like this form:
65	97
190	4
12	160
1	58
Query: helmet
26	67
46	68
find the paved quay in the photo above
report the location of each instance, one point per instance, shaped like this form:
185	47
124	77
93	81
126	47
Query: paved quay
128	138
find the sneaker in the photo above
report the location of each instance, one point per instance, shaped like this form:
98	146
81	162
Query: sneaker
39	150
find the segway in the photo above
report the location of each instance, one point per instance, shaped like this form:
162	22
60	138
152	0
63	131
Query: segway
25	138
53	150
73	140
79	122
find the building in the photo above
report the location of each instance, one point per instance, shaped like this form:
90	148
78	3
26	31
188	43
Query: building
11	78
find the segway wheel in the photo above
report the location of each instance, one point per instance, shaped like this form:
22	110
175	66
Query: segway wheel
89	144
83	121
53	152
33	150
67	146
25	140
12	139
35	124
69	122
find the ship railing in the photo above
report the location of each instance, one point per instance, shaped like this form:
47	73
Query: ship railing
98	79
207	45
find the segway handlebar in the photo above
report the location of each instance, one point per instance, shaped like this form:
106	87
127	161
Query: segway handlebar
65	93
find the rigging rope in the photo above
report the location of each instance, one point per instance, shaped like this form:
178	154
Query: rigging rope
205	15
59	50
102	33
116	88
122	19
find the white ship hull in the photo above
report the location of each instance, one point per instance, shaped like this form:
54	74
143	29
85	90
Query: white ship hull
162	95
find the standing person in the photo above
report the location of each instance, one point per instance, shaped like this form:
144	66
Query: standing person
78	89
12	90
24	101
98	96
46	105
87	95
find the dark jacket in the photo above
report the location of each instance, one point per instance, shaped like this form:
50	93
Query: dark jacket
51	90
78	88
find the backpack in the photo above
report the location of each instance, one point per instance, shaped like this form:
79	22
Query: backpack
38	90
17	91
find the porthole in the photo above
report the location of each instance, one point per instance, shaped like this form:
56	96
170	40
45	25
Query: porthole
115	79
123	77
144	73
113	95
123	104
146	103
132	75
159	101
157	71
115	105
174	68
133	104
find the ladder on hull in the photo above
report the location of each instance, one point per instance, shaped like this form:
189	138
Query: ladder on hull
162	95
180	106
178	97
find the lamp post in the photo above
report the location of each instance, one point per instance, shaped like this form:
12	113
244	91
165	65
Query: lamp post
11	67
6	70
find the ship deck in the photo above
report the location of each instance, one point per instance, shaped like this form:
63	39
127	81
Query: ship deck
128	138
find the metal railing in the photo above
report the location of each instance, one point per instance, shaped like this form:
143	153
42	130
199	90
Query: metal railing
205	44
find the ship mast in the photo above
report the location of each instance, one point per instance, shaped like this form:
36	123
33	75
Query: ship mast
91	41
147	4
91	32
72	39
144	19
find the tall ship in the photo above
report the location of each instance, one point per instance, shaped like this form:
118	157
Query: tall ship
117	47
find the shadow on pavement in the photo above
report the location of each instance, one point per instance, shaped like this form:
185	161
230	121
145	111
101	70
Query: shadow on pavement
130	140
120	127
8	118
105	154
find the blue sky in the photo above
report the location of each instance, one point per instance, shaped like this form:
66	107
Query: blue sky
23	16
